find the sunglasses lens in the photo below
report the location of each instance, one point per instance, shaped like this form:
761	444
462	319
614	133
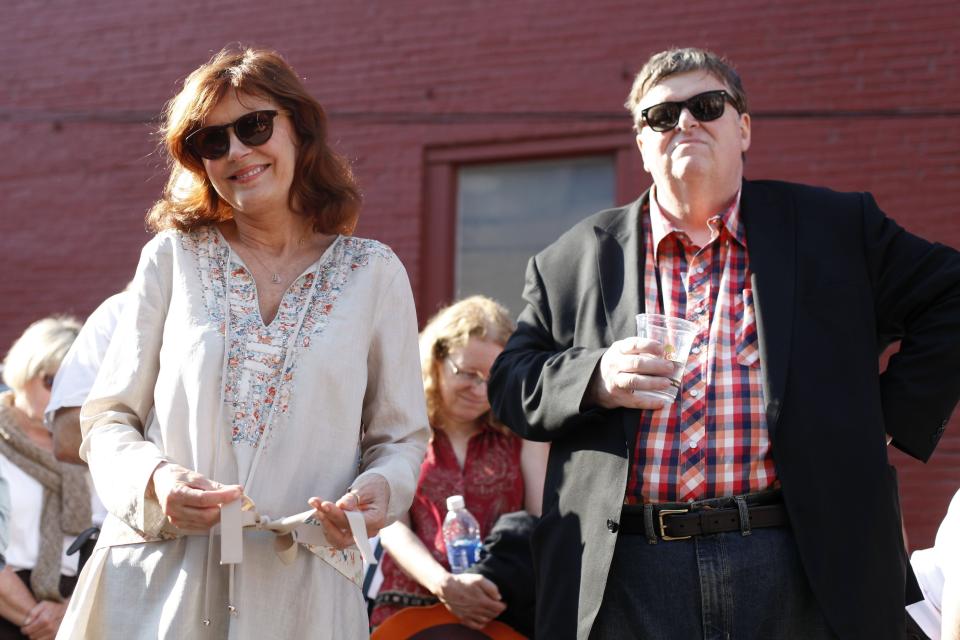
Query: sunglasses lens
210	142
47	381
254	128
706	106
663	117
213	142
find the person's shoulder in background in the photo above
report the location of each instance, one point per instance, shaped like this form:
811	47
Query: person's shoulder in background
79	368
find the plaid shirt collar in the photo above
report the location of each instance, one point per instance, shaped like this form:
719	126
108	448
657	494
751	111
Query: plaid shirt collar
729	219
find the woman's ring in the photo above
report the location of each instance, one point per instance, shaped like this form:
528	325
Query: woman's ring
356	496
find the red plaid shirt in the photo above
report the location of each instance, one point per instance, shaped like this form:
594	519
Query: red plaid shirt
713	440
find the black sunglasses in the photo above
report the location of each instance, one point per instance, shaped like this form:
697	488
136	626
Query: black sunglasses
47	381
704	107
252	129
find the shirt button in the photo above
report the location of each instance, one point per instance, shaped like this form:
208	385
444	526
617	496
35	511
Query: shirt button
694	393
693	444
699	269
695	350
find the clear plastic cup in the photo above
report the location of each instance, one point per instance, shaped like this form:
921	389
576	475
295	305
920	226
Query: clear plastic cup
676	335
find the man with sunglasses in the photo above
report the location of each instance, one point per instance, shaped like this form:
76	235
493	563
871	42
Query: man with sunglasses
759	503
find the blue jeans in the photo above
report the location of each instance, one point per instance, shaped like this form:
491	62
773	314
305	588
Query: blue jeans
724	586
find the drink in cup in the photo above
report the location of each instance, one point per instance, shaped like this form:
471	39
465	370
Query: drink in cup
676	335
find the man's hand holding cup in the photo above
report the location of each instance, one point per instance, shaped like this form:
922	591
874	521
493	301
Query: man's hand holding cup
631	364
644	372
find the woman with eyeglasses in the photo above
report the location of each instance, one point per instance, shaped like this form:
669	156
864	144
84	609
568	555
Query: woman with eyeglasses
259	408
470	455
50	500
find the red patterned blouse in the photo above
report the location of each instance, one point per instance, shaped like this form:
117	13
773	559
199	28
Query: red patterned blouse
491	484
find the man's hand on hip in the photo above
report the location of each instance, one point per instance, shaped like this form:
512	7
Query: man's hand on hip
631	364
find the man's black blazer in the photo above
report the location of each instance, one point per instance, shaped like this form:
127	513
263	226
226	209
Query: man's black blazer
835	281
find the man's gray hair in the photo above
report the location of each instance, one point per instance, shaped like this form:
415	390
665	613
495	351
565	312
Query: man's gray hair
673	61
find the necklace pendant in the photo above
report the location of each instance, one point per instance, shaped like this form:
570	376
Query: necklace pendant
275	279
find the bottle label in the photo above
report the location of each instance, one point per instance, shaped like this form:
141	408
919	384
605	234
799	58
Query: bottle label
463	554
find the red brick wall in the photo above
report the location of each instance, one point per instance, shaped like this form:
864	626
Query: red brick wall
79	86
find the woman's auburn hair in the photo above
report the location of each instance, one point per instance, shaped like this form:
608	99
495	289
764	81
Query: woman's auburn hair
452	327
323	189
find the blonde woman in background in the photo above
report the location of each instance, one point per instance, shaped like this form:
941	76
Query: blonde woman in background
469	455
50	500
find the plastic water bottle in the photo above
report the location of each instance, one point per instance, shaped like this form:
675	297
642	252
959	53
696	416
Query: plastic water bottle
461	533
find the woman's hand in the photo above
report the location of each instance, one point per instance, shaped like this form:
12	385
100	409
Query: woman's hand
43	620
370	496
471	597
190	500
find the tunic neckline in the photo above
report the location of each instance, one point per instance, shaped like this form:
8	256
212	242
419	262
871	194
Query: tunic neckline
311	268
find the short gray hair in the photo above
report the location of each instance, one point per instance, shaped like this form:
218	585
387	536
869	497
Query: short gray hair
39	350
673	61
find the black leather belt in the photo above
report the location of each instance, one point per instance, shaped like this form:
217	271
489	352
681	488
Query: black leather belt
678	523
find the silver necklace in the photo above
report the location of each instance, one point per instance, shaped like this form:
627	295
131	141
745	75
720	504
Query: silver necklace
275	277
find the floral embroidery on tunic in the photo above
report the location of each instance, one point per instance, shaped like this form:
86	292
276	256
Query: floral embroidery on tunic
211	252
347	562
257	380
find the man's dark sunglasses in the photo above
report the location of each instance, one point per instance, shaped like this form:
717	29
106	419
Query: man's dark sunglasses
252	129
704	107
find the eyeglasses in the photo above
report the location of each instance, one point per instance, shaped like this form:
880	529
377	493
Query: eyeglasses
473	377
252	129
705	107
47	381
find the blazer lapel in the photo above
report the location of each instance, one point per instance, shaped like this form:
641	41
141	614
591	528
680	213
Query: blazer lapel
620	256
620	260
769	220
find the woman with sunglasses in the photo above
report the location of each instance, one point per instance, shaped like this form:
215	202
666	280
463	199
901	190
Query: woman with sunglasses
261	384
469	455
50	500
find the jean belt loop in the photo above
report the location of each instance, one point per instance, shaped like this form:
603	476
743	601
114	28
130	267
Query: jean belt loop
744	515
648	524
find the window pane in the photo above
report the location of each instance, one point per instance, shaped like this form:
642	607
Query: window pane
508	212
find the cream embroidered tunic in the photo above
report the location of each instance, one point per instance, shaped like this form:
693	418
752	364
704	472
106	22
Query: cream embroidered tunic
330	389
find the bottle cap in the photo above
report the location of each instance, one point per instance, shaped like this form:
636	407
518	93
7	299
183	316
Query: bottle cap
454	503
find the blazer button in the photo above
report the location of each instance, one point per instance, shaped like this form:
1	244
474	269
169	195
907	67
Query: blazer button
613	526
